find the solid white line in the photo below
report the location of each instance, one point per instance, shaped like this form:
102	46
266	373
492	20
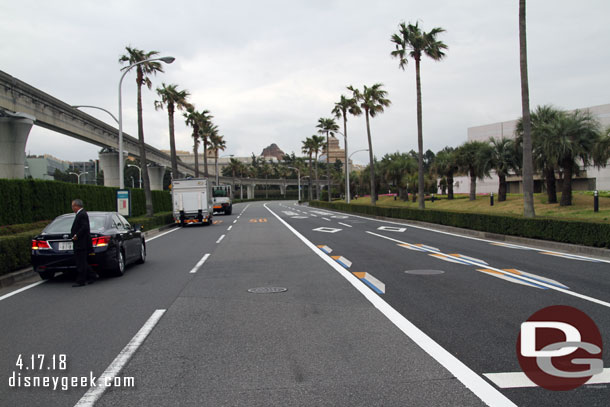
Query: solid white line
22	289
163	234
229	228
199	263
523	277
462	236
511	380
481	388
344	224
220	239
95	392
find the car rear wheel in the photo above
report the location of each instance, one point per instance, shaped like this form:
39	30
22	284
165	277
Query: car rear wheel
119	269
46	275
142	258
229	211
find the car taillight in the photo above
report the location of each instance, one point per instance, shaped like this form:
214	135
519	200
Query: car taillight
100	241
40	244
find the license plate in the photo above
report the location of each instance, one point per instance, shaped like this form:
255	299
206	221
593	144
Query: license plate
65	246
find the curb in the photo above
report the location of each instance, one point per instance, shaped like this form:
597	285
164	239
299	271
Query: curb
23	274
543	244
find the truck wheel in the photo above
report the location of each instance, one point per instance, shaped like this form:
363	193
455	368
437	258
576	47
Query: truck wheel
46	275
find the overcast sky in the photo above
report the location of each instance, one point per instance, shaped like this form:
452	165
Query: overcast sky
267	70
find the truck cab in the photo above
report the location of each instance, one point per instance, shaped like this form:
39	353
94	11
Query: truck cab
222	199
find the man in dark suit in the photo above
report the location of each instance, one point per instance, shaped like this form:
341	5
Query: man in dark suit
81	236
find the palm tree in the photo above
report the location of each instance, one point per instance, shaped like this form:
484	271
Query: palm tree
307	148
172	98
504	159
445	165
528	165
327	125
412	42
206	130
193	119
578	135
341	109
373	101
544	150
317	142
217	142
473	158
143	71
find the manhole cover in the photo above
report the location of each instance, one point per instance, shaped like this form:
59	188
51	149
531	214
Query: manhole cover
267	290
424	272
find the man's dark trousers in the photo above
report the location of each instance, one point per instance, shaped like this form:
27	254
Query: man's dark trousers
82	247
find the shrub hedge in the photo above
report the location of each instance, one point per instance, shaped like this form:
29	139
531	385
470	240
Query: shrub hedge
26	201
565	231
15	249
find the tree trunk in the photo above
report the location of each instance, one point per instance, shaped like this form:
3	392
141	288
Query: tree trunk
528	166
473	186
450	186
145	179
172	139
206	174
566	188
502	188
196	150
551	185
310	192
420	139
317	180
347	187
372	163
328	164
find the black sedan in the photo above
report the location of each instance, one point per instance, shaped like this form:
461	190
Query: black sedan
115	242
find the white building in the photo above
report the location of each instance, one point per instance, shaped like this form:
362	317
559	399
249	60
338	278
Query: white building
589	179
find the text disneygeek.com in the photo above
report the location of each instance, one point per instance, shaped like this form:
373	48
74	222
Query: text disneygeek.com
17	380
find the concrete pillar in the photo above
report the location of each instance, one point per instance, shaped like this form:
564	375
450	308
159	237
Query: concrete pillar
251	191
14	132
282	189
155	175
109	163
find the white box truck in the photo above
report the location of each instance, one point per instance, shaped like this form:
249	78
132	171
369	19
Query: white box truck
192	201
222	199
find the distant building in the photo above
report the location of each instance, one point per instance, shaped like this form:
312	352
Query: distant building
590	178
336	152
44	166
91	167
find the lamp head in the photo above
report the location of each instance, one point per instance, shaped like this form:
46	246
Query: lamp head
168	60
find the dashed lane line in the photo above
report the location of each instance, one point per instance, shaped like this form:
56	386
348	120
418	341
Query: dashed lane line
199	263
220	239
344	224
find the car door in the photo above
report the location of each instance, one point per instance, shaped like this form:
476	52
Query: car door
122	236
131	239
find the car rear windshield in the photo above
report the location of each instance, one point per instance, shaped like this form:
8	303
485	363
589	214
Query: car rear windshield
64	224
219	192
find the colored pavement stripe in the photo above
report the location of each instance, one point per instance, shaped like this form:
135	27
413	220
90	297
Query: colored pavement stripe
325	249
373	283
342	261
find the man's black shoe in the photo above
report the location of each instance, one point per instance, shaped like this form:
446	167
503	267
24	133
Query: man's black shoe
78	285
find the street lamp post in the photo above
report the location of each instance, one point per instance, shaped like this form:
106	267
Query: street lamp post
78	175
140	171
167	60
99	108
216	166
299	179
347	191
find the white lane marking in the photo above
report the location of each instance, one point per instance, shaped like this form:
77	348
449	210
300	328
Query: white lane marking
313	214
468	237
344	224
162	234
511	380
327	230
95	392
326	219
22	289
220	239
481	388
391	229
522	277
235	221
199	263
229	228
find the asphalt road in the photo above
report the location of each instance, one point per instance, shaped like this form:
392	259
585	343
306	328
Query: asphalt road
335	337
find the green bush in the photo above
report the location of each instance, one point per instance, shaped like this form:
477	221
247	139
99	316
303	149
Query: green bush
15	250
27	201
565	231
23	227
